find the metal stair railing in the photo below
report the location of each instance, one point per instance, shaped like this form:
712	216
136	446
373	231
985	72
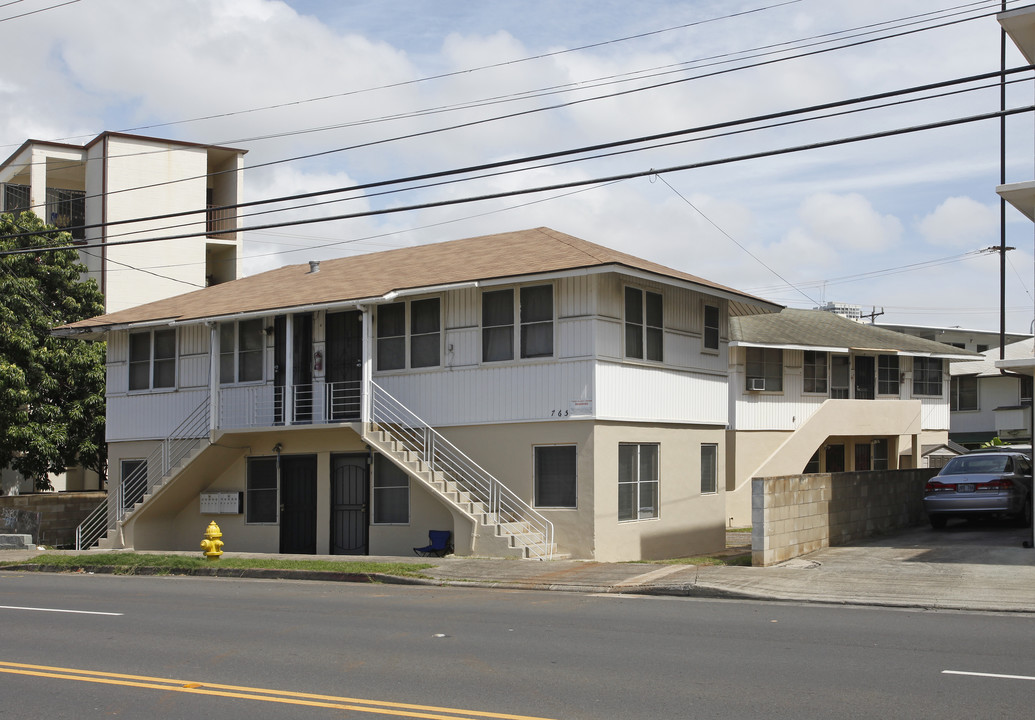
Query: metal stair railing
145	477
439	455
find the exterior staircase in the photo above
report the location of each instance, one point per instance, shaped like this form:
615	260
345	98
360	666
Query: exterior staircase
503	523
180	449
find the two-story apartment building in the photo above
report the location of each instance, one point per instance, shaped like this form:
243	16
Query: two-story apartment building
530	392
811	391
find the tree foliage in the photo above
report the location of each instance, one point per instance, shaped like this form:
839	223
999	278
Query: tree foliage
51	389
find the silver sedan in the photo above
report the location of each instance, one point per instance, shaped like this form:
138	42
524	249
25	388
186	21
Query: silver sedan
981	484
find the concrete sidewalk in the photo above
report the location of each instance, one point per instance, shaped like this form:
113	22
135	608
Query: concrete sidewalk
962	568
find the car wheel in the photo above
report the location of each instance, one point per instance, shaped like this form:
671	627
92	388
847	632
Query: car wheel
938	521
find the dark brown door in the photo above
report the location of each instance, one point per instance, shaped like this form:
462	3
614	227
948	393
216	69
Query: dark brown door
344	363
298	504
349	504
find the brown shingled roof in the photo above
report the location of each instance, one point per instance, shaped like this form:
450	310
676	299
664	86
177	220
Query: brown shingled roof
512	254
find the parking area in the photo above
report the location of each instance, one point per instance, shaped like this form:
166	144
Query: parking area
981	542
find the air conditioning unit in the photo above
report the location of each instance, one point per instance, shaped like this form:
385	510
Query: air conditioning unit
756	384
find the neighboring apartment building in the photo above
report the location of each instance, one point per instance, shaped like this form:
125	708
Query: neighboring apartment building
974	340
530	392
812	391
987	402
95	189
101	189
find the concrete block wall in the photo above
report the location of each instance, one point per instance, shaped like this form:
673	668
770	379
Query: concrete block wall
60	513
798	514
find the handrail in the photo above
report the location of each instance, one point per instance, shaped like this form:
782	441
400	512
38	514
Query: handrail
440	455
145	477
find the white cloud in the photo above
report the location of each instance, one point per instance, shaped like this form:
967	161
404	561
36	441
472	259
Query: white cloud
961	222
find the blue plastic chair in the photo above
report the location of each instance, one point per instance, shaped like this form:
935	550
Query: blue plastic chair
438	546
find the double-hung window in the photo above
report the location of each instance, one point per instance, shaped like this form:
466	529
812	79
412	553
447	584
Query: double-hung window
887	375
240	351
261	502
152	359
555	480
391	493
534	320
963	393
765	368
709	469
638	471
815	372
927	376
711	327
644	325
425	334
537	321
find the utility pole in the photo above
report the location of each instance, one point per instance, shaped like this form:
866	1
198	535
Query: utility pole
873	315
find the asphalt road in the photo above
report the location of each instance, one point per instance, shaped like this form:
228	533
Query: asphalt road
227	649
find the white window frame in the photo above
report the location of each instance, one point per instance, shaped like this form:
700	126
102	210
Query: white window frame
639	483
766	361
152	360
407	335
645	330
518	323
921	386
806	367
236	353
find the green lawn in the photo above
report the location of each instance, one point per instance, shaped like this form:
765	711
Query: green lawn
129	561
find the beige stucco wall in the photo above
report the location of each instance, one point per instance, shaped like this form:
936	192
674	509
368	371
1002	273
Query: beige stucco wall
507	452
173	519
689	523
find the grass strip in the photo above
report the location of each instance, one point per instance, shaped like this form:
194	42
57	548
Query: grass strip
186	562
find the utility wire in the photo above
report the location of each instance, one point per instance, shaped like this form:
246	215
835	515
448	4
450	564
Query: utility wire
734	240
433	131
575	151
578	183
33	12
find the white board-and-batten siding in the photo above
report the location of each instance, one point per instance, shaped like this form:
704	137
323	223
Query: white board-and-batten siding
790	408
586	377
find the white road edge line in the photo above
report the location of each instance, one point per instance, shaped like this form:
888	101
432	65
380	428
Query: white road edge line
57	610
988	675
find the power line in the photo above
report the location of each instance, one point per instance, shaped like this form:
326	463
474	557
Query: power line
580	183
424	133
454	73
34	12
574	151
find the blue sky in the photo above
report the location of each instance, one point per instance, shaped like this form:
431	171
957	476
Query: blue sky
895	223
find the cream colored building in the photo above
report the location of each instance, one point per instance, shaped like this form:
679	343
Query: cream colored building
101	192
811	391
530	392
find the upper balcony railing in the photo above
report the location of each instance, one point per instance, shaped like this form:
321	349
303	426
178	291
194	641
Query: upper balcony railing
220	222
257	406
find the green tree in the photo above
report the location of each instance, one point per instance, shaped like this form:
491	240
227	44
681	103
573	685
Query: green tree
51	389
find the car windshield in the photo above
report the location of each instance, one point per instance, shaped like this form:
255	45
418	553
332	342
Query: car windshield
977	464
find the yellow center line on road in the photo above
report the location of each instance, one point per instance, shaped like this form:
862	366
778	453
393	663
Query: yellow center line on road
430	712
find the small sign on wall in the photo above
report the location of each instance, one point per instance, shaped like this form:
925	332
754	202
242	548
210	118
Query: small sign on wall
222	503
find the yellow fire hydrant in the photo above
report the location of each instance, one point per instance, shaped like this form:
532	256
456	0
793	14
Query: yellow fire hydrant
212	546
